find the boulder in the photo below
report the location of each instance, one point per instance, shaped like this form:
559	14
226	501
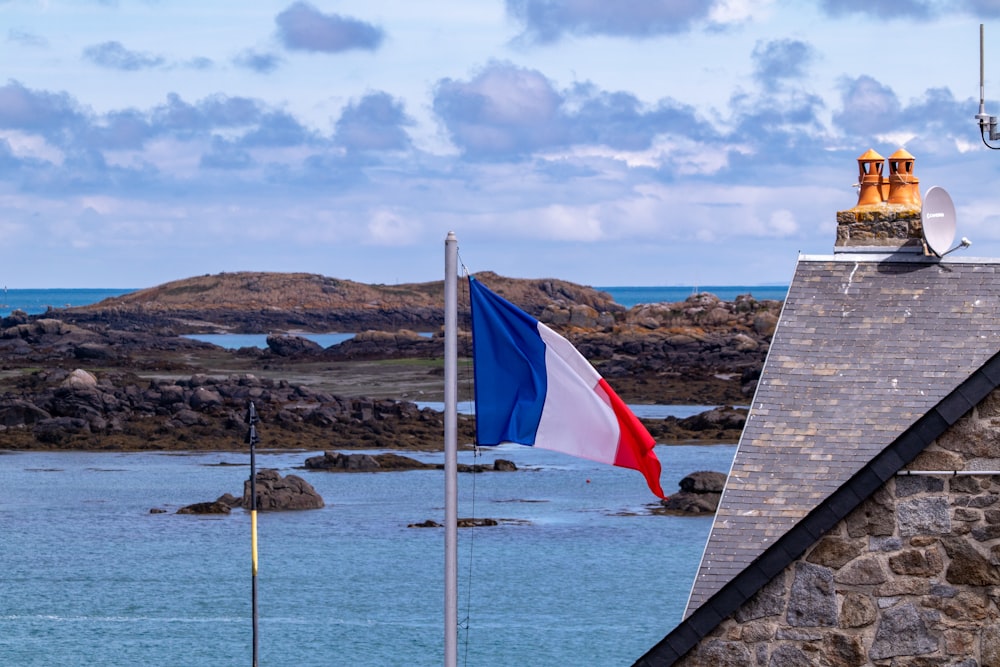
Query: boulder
691	503
80	379
14	347
229	500
184	418
57	430
16	412
276	493
93	351
700	494
290	346
721	418
476	523
203	398
500	465
15	318
704	481
205	508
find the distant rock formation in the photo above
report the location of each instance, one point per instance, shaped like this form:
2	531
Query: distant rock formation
701	351
700	493
337	462
461	523
390	462
254	302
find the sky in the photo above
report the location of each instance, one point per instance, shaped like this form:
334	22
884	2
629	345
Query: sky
635	142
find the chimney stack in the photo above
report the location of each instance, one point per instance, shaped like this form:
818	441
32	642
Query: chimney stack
887	215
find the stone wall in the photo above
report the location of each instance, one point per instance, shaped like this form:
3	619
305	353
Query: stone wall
910	577
890	225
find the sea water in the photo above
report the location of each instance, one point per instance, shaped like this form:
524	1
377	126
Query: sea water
38	301
580	572
236	341
632	296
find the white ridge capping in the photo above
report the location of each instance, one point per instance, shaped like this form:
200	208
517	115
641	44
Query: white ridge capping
859	255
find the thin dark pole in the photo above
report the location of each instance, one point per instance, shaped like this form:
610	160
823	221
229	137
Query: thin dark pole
252	439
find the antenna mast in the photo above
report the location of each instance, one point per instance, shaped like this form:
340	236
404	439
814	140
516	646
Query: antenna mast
986	122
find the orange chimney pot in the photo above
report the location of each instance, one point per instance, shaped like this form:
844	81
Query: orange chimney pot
870	181
904	187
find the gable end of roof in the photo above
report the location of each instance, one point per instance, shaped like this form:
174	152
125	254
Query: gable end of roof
794	543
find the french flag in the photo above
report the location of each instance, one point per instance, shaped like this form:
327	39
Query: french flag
534	388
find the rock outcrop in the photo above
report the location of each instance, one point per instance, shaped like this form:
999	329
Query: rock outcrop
721	424
390	462
700	494
250	302
290	346
700	351
278	494
464	522
274	494
211	507
690	342
62	409
387	462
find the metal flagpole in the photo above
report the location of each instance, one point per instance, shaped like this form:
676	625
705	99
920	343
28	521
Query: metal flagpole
252	439
450	451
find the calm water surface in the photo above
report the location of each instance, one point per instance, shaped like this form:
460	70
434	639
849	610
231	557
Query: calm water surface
585	576
645	411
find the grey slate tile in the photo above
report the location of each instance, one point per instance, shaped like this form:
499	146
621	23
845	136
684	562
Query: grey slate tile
863	349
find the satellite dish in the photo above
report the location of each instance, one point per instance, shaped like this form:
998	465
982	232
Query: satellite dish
938	219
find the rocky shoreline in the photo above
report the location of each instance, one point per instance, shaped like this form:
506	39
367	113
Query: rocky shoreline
110	378
57	409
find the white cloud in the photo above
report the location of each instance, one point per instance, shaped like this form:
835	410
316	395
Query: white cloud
783	223
102	205
899	138
737	11
681	155
180	159
387	227
32	146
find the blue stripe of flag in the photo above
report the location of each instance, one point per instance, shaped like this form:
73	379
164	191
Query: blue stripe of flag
509	366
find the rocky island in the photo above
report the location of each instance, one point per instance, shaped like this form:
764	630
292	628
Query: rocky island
120	375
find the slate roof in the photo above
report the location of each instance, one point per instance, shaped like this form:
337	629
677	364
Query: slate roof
874	356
